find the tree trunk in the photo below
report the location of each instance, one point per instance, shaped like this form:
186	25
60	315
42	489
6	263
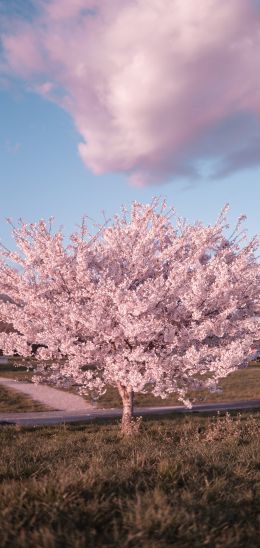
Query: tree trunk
127	396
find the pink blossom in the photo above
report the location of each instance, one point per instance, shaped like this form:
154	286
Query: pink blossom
148	304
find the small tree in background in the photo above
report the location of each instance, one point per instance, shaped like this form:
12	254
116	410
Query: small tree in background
155	305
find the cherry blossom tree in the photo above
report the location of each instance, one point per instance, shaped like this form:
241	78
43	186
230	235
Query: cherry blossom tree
147	303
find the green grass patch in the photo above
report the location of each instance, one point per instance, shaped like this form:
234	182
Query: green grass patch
12	401
183	481
18	375
241	385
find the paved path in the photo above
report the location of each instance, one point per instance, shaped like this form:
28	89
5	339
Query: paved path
56	399
57	417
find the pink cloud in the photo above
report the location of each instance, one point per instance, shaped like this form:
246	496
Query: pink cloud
67	9
152	86
23	51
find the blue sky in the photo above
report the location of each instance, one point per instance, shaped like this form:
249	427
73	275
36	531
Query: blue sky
42	175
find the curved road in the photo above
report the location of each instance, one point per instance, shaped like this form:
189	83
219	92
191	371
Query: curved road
72	408
52	397
57	417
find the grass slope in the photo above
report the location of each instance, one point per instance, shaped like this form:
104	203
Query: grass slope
241	385
12	401
183	482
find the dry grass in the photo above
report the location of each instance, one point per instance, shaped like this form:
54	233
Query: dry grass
183	482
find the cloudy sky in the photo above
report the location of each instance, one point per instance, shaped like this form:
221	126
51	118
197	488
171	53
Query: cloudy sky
107	101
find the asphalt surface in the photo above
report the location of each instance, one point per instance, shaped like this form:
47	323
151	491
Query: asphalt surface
60	417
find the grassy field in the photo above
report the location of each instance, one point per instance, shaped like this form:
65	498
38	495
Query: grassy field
12	401
18	375
241	385
12	370
183	481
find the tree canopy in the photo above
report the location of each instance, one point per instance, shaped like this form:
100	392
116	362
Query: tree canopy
148	302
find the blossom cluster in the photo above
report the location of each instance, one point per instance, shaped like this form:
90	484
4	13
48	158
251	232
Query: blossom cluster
148	302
